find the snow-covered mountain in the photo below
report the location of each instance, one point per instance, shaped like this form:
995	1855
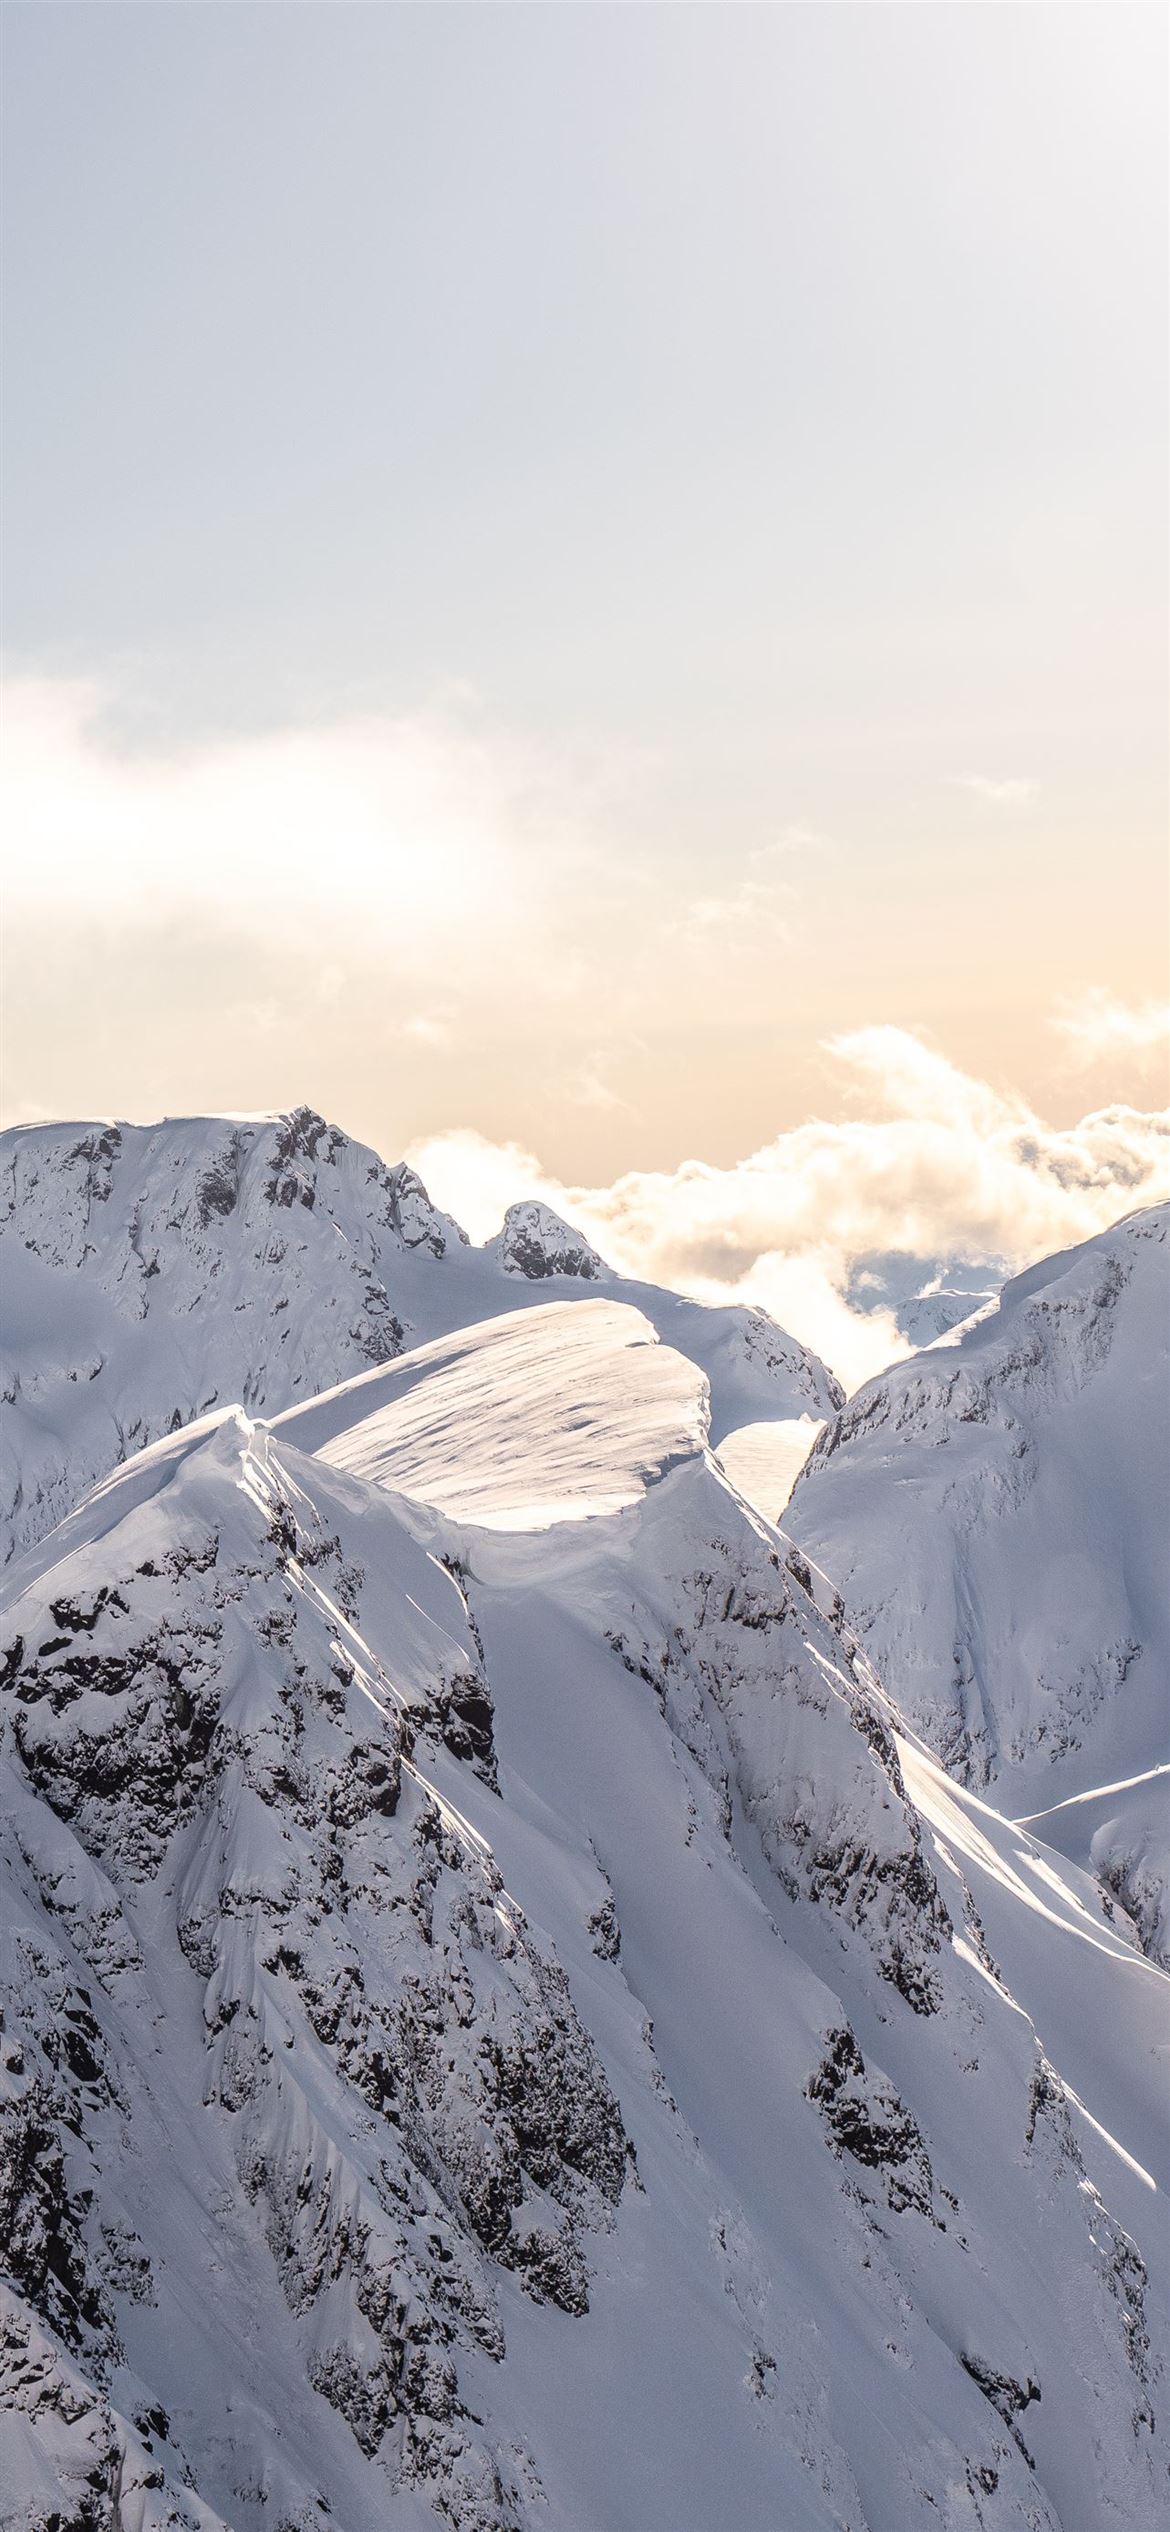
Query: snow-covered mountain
926	1297
996	1513
151	1273
501	2024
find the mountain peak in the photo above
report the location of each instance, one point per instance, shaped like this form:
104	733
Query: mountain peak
535	1242
155	1273
456	1986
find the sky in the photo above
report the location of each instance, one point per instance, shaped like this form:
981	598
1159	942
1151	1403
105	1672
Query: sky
562	565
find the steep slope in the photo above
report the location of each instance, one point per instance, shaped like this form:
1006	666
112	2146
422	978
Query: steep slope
487	2031
996	1512
149	1274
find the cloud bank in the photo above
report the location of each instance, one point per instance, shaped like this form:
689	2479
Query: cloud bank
420	916
929	1161
425	830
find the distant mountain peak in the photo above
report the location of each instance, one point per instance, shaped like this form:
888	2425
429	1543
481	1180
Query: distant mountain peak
536	1242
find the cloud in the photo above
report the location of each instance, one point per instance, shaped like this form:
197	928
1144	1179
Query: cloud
476	1179
896	1073
930	1161
1098	1026
803	1293
380	894
425	841
1009	791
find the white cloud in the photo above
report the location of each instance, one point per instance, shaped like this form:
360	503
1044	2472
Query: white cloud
475	1179
425	842
1098	1026
936	1164
895	1073
1008	791
387	889
803	1293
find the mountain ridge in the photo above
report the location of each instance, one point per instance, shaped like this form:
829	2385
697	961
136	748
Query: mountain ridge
996	1512
152	1272
429	1939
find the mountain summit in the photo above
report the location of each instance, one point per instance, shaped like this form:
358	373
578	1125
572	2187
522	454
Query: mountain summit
153	1273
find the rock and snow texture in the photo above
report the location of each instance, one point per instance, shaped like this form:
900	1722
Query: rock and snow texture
996	1513
152	1273
502	2027
535	1242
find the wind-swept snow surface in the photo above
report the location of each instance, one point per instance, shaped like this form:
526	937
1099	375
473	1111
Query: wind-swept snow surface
490	2037
565	1414
149	1274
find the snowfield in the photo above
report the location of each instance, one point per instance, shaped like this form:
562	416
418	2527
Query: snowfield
533	1999
764	1460
503	2024
520	1424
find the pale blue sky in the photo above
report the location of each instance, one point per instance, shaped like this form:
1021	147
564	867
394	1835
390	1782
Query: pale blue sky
729	432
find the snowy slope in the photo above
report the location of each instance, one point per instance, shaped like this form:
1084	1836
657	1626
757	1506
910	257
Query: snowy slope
519	1423
148	1274
996	1512
488	2035
1121	1832
764	1461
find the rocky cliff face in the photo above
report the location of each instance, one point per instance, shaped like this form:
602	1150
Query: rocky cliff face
535	1242
473	1967
221	1802
153	1273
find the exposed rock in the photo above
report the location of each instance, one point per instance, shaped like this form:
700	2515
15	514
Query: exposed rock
535	1242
